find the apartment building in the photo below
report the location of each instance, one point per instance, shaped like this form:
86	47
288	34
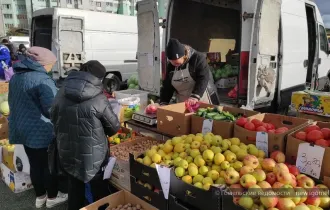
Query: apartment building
18	13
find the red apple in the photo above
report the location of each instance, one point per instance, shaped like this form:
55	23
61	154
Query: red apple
271	178
313	198
322	142
294	170
278	156
277	185
326	132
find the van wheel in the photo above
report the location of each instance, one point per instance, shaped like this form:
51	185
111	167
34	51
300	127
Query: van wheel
111	83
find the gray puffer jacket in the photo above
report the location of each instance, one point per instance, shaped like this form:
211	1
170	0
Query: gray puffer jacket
82	117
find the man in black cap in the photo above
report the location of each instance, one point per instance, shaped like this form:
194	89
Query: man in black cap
83	118
188	75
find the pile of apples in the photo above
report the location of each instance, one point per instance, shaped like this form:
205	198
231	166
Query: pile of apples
314	134
255	181
257	125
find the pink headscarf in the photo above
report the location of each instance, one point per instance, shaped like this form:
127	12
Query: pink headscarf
41	55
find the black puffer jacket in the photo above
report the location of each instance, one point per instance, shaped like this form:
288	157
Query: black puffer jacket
82	117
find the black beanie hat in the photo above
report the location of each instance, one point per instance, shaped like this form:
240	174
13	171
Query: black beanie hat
175	49
95	68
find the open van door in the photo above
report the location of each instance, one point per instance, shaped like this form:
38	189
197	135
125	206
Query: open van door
148	54
264	49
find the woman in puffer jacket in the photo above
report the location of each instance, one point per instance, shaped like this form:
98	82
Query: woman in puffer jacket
83	117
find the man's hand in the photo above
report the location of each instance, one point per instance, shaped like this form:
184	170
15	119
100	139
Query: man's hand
192	101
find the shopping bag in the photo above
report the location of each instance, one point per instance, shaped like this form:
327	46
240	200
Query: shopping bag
9	72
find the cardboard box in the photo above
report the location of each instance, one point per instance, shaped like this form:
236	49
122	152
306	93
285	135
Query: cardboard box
116	199
4	128
313	117
275	141
292	146
223	128
317	103
174	119
16	181
15	158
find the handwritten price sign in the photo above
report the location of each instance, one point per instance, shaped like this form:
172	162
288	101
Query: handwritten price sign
207	126
309	159
164	175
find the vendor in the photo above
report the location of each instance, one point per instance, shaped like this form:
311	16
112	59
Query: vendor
188	75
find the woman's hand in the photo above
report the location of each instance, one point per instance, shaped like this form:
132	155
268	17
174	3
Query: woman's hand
192	101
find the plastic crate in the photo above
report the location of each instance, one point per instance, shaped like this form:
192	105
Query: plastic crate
143	95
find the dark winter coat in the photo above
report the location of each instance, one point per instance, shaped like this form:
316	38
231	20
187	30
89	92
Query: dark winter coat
199	71
82	117
31	94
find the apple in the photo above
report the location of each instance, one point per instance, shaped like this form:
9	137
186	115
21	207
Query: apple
231	176
301	207
301	193
305	182
294	181
254	191
259	174
271	178
311	207
284	177
294	170
264	185
277	185
285	204
325	202
281	167
248	180
246	202
269	201
246	170
278	156
313	198
251	160
287	189
322	186
268	164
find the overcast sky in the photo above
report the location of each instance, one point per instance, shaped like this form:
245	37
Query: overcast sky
324	6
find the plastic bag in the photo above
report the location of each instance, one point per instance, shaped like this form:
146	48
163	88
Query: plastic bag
9	73
192	109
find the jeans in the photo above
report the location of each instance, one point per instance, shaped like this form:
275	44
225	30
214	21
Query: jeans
76	191
42	181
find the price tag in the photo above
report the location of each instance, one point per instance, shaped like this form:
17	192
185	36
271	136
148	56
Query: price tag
309	159
164	175
262	142
108	170
207	126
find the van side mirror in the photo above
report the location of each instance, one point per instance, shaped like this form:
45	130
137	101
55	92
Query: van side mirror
163	23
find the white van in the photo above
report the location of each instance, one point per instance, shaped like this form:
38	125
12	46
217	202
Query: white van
77	36
281	45
17	40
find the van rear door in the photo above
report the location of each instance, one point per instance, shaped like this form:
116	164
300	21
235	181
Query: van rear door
263	68
71	43
148	46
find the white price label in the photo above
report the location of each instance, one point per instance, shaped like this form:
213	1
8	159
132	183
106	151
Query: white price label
164	175
262	142
108	170
207	126
309	159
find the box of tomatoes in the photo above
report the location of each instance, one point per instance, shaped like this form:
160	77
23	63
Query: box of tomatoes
317	133
276	126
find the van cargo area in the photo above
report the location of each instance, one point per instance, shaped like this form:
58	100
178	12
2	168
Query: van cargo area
212	27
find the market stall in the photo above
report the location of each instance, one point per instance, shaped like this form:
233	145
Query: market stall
215	157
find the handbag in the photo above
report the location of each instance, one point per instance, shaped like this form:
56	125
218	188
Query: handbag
54	160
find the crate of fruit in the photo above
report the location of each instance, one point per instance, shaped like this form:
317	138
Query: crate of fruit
276	126
121	172
123	135
222	119
317	134
144	178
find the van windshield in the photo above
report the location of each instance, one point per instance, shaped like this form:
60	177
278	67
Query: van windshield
42	31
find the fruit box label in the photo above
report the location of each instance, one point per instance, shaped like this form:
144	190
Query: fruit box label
318	103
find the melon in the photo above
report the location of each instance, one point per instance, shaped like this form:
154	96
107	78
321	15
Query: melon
131	86
4	108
